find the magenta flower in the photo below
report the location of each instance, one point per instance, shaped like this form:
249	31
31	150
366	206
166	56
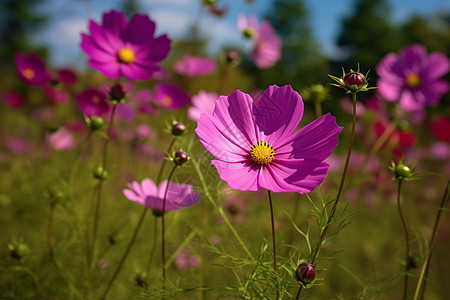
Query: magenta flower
117	48
192	66
202	102
93	102
170	96
66	76
148	194
256	146
62	139
13	99
267	50
31	69
413	77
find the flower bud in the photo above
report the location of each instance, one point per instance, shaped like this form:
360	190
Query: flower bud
141	279
117	93
114	238
354	78
232	57
18	250
178	128
248	33
100	173
181	157
55	197
305	273
96	123
414	261
402	171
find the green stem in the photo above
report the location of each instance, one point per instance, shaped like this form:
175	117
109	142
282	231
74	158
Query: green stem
152	252
163	242
202	252
219	209
273	233
101	180
405	229
127	251
426	264
163	163
318	108
323	233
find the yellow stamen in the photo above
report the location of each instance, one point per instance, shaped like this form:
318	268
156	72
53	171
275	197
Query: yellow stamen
167	101
262	153
28	74
413	80
126	55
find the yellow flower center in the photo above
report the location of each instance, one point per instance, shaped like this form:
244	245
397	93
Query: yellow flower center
413	80
96	99
167	101
28	74
126	55
262	153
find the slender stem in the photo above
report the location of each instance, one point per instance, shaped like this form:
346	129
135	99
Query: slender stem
127	251
218	208
273	233
405	229
163	163
152	253
300	288
163	243
318	107
50	233
323	233
426	264
202	252
101	180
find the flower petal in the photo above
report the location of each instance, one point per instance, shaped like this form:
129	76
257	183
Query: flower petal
438	65
149	187
115	22
134	33
111	70
240	176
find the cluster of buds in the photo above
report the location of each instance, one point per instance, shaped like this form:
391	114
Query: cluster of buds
352	82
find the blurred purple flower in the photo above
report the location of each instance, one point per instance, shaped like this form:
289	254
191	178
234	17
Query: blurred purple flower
440	151
62	139
19	145
31	69
248	26
170	96
192	66
347	106
13	99
66	76
202	102
92	102
413	77
120	48
185	259
143	99
267	50
56	94
148	194
125	112
256	146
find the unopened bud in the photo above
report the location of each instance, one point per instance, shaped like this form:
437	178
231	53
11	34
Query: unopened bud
181	157
117	93
402	171
100	173
141	279
354	80
95	123
178	128
305	273
18	251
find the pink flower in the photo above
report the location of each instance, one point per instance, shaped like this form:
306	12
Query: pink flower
267	50
13	99
93	102
66	76
185	259
192	66
143	97
202	102
413	77
31	69
248	26
56	94
170	96
148	194
256	146
118	48
62	139
440	128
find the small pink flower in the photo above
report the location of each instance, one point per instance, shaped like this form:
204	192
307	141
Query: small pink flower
192	66
62	139
202	102
248	26
19	145
185	259
170	96
413	77
56	94
267	50
31	69
13	99
119	48
92	102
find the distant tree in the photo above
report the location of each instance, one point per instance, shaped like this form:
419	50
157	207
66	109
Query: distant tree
130	7
18	20
301	62
367	34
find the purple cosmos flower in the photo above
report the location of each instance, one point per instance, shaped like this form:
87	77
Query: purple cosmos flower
31	69
267	49
256	146
202	102
413	77
117	48
66	76
170	96
151	196
93	102
192	66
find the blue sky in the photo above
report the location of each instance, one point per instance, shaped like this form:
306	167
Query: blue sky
69	17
